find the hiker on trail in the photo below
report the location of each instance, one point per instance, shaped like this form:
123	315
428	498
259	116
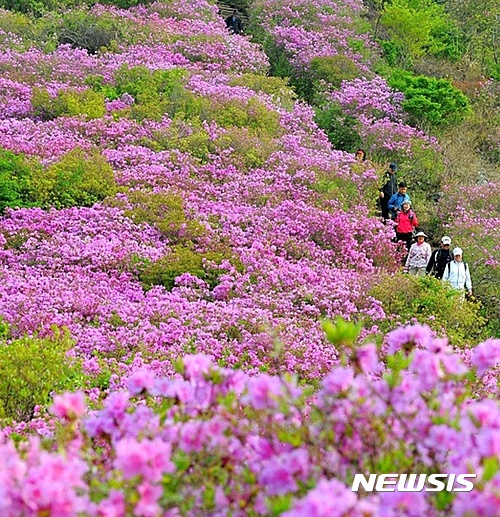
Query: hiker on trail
440	258
360	155
418	257
396	201
388	189
234	24
457	272
405	221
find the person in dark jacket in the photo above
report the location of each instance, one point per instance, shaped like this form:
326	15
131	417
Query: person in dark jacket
388	189
234	24
440	258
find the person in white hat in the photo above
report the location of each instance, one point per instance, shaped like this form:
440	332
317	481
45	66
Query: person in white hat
457	272
440	258
418	257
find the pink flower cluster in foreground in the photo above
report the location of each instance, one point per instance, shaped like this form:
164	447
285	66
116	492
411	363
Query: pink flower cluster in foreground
219	442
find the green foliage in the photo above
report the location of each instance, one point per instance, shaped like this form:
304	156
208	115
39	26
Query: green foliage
280	65
31	368
341	129
15	180
333	69
165	211
188	136
429	101
154	92
146	85
249	150
344	190
183	260
416	28
35	7
80	178
479	31
82	29
124	4
394	54
14	23
344	335
277	87
431	302
69	102
254	116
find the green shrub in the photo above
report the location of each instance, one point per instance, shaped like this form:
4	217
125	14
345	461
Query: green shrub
253	115
249	150
80	178
183	260
344	190
14	23
165	211
417	28
155	93
187	136
430	102
15	179
277	87
81	29
68	102
31	369
35	7
341	129
406	298
333	69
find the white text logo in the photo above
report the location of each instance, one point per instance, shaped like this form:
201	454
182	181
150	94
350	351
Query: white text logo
414	482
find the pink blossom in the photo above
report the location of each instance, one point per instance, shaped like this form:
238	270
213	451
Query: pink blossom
486	355
69	406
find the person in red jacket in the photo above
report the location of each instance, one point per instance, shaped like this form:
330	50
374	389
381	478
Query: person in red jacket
406	220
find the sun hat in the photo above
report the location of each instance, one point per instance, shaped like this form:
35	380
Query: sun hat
446	240
420	234
457	251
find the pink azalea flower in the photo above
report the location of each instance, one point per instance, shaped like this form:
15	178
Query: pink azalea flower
69	406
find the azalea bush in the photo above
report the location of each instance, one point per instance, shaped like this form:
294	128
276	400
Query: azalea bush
430	301
32	369
78	179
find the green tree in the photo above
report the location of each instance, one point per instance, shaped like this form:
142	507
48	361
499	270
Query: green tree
430	102
416	28
479	23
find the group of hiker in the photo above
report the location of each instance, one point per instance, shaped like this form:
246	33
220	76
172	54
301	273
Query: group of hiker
420	260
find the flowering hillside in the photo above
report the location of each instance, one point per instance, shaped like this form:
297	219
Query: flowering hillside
177	233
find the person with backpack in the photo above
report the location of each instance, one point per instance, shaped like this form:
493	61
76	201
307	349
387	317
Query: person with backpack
405	221
440	258
419	256
396	200
388	189
457	273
